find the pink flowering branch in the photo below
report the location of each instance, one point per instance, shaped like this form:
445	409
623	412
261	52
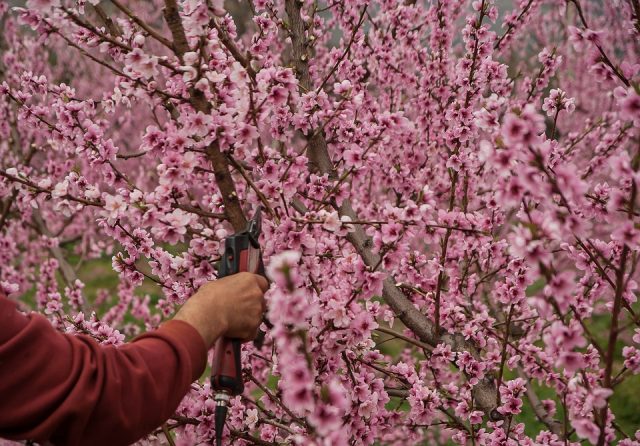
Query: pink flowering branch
512	26
68	273
319	160
615	70
220	164
42	190
346	51
142	24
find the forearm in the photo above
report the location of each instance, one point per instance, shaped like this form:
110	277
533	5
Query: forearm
70	390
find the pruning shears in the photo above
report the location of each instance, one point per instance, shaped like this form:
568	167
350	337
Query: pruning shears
241	253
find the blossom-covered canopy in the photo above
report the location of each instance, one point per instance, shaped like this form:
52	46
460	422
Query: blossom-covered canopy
449	192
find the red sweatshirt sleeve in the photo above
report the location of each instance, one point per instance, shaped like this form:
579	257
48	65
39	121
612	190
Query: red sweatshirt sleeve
70	390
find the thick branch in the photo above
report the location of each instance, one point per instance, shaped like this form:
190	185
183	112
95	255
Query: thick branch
218	160
172	16
318	154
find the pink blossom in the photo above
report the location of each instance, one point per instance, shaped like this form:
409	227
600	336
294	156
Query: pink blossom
278	95
566	337
142	64
570	361
557	101
586	429
523	129
632	358
476	417
43	5
331	221
114	206
511	406
631	106
342	87
282	263
391	232
60	190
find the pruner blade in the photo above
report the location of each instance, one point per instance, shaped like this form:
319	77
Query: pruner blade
254	226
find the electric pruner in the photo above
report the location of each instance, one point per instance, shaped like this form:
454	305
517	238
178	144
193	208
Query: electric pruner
241	253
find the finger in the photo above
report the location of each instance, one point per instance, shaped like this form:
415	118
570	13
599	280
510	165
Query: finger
262	283
252	336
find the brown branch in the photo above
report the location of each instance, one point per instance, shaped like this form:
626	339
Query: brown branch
218	160
142	24
503	354
167	434
251	438
613	336
318	152
182	421
318	155
395	334
252	185
398	393
7	208
542	415
172	16
635	6
276	400
117	43
113	27
89	27
511	26
225	182
199	211
41	190
14	194
615	314
130	155
605	58
234	50
185	420
441	273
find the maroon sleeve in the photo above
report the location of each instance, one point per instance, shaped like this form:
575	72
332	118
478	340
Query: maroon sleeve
70	390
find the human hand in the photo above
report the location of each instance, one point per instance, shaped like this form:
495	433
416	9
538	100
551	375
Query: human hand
232	306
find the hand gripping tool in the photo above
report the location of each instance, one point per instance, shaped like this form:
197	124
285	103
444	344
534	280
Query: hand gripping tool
241	253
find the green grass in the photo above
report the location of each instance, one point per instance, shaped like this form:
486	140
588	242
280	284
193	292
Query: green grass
626	405
97	275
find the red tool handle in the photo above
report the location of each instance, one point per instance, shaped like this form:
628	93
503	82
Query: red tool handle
226	372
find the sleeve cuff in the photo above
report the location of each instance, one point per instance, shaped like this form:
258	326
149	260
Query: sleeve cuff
182	333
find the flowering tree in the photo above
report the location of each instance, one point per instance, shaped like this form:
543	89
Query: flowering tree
458	177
